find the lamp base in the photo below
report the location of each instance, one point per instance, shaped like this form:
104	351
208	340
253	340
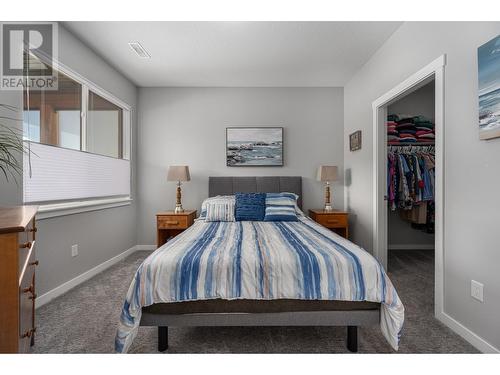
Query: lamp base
328	204
178	203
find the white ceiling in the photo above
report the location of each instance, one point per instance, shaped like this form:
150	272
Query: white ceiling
253	54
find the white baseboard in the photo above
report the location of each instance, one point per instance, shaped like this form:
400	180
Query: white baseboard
63	288
146	247
411	247
478	342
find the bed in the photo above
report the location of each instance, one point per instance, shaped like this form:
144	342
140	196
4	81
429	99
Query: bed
260	274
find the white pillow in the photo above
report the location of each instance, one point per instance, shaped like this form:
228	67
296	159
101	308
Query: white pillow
220	210
218	198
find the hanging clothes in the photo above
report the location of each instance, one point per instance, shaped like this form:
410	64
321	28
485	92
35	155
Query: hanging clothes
410	184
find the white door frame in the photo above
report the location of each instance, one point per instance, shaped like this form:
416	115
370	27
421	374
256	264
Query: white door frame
435	70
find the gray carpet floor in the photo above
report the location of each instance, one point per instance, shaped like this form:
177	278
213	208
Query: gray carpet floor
84	320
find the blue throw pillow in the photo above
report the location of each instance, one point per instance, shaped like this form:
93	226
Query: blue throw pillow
250	206
281	207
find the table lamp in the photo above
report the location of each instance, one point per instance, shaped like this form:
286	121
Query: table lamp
327	174
178	173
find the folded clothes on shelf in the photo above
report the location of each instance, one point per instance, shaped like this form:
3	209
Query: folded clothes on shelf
393	138
409	128
424	125
422	132
427	136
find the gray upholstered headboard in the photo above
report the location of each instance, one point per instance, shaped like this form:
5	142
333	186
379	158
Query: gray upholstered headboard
267	184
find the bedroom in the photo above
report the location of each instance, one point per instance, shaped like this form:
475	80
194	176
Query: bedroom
282	120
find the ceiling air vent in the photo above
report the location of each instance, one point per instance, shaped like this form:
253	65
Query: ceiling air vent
141	52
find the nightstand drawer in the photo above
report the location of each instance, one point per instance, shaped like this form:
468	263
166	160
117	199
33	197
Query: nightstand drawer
332	221
172	222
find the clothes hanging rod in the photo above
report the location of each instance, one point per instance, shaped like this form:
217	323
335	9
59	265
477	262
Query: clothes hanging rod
410	144
406	148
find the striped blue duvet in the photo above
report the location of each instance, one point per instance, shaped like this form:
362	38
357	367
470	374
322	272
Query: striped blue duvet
259	260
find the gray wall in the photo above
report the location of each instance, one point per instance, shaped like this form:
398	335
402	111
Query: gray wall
399	231
419	102
472	177
187	126
100	235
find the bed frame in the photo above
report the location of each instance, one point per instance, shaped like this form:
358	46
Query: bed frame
352	319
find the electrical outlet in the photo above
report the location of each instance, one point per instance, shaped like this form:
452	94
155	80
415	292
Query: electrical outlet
476	290
74	250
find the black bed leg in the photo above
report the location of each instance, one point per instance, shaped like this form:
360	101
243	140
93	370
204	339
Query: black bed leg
352	338
162	339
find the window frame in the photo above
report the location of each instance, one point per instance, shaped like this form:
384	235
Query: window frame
53	209
88	86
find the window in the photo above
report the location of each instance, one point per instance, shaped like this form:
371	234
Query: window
69	132
104	127
79	137
55	127
31	125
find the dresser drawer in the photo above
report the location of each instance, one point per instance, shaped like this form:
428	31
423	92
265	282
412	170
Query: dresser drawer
332	221
27	295
26	240
17	278
172	222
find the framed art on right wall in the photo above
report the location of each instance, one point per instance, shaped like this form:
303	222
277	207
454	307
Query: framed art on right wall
488	62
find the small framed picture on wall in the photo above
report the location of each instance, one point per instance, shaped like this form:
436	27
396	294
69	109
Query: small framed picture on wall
355	140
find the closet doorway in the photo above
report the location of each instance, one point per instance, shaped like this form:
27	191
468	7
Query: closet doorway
410	172
405	218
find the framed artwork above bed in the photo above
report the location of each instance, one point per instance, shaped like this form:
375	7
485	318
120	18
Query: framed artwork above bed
254	146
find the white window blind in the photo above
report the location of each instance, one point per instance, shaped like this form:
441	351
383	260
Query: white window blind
64	174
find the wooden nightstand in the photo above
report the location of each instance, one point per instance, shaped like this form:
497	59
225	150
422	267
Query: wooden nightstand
169	224
335	220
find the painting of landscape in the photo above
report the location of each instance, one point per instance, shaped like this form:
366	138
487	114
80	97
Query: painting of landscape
254	147
489	89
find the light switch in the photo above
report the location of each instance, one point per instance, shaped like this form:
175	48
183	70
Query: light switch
476	290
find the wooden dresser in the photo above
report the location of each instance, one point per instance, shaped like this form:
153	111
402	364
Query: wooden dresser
17	278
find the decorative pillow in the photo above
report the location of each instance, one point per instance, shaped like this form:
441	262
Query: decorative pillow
218	198
281	207
298	211
250	206
220	210
294	196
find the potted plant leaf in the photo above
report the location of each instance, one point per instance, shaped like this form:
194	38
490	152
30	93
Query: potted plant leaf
11	145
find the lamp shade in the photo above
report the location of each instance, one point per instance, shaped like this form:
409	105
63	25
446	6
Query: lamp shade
327	173
178	173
